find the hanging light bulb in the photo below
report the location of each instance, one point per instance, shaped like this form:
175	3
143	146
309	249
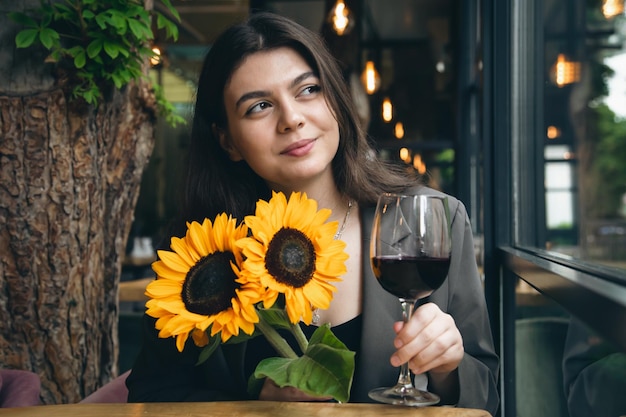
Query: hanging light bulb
405	155
340	18
399	130
419	164
370	78
565	71
612	8
156	59
553	132
387	110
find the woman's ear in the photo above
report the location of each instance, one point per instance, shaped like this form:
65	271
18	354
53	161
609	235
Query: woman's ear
226	144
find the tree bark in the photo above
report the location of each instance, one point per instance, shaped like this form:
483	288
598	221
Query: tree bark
70	180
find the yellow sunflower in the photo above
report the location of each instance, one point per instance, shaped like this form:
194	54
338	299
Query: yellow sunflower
293	252
199	285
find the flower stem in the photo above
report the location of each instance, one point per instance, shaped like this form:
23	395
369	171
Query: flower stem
276	340
297	332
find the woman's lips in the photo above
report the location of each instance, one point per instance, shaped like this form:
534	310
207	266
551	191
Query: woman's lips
300	148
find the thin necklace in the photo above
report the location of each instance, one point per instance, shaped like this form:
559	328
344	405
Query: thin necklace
316	312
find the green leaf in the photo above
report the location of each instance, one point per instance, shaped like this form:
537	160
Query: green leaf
138	28
325	369
88	14
324	335
117	80
102	19
64	10
26	37
54	57
73	51
275	317
80	59
94	48
48	37
125	75
208	350
88	96
46	21
118	21
22	19
46	9
123	51
172	118
171	30
171	9
111	49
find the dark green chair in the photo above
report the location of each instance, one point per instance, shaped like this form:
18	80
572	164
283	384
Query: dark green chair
539	346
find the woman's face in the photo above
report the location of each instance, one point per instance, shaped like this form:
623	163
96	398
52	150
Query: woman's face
279	121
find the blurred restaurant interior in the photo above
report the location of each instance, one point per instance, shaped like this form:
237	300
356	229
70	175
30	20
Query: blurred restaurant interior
516	107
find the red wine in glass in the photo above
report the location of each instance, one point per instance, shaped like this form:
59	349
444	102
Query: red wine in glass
410	256
410	277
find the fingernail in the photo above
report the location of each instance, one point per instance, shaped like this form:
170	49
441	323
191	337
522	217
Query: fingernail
397	342
395	361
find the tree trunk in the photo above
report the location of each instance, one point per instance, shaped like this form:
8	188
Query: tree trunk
70	181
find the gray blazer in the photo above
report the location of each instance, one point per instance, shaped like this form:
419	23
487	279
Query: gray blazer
461	296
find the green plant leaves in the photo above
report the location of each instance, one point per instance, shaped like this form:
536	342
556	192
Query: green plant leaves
80	59
22	19
94	48
208	350
106	43
325	369
139	29
275	317
25	38
48	37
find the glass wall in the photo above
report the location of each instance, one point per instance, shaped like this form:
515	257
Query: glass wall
584	118
554	159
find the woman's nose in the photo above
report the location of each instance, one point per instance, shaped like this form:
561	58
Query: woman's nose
291	118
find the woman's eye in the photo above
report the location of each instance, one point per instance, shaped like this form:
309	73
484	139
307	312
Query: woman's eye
258	107
311	89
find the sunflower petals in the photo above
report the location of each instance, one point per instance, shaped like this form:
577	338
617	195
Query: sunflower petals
249	243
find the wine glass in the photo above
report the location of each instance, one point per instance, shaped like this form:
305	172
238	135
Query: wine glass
410	257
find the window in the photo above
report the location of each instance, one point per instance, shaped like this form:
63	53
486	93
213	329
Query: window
554	154
584	116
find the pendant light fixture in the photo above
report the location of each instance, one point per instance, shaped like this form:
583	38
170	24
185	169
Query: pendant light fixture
341	18
370	78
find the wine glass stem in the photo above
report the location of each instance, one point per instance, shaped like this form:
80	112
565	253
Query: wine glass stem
405	374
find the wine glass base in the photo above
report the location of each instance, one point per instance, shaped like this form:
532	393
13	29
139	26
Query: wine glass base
402	395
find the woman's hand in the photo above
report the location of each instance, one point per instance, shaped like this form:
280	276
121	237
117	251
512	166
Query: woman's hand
429	342
272	392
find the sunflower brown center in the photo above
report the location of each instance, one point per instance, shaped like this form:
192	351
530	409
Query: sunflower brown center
290	257
210	284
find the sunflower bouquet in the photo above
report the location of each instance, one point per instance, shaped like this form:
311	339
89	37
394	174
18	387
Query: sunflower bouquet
225	282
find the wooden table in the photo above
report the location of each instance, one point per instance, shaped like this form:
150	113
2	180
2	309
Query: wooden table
134	291
238	409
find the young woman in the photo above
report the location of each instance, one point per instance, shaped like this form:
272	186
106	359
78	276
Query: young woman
273	114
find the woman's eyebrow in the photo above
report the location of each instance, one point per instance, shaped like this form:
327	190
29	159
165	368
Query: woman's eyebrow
251	95
261	93
302	77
